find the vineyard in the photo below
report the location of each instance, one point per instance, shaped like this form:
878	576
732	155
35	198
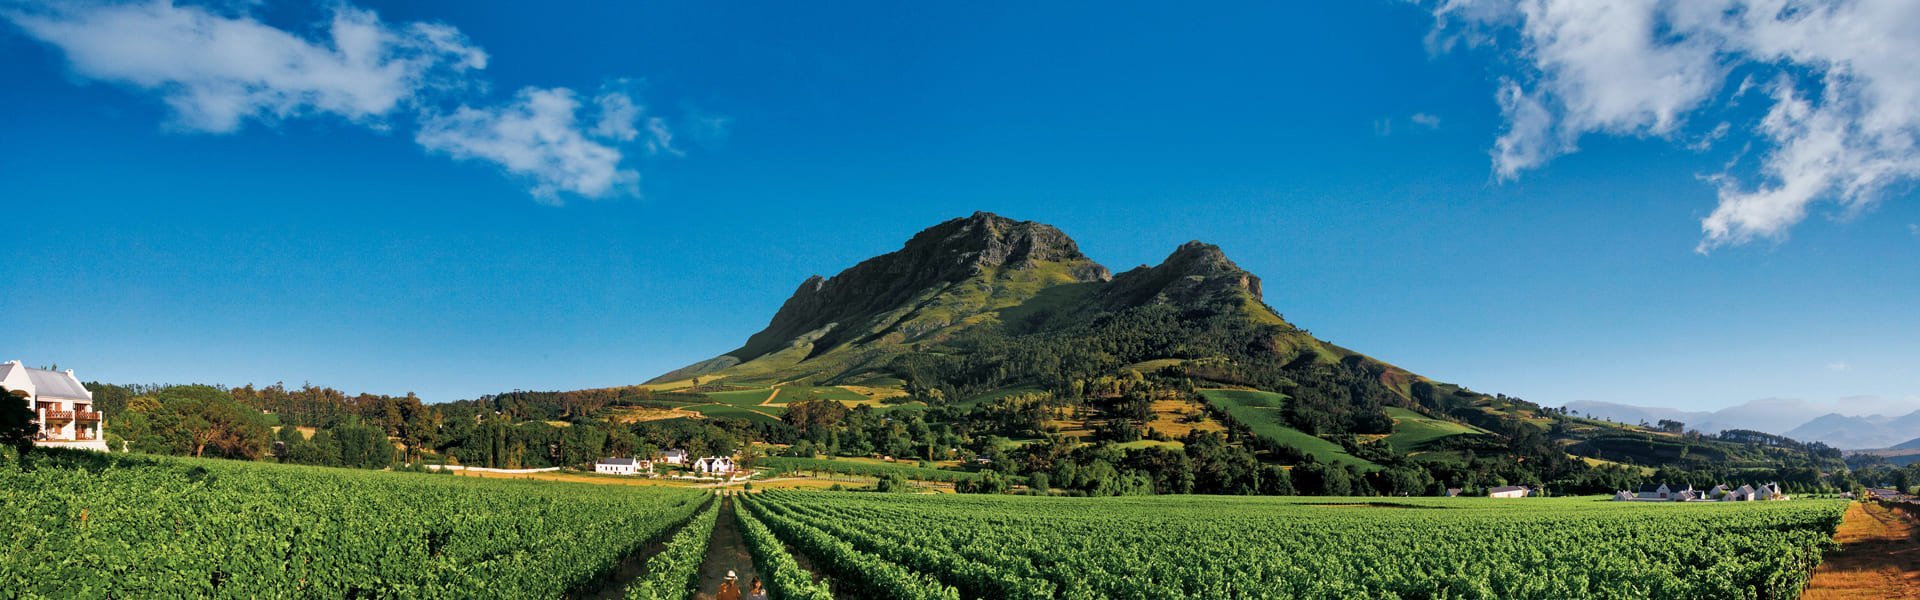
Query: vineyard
87	525
83	525
901	546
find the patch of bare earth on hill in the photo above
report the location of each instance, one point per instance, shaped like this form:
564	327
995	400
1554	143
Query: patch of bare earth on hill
1879	557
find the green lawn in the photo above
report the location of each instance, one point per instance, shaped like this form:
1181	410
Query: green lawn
799	393
1412	431
764	414
751	397
1260	411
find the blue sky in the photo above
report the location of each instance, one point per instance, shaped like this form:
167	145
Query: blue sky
1442	185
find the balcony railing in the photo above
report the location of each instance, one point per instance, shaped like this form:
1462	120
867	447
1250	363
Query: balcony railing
86	416
58	415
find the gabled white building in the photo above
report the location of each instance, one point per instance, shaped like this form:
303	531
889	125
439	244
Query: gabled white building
63	408
714	465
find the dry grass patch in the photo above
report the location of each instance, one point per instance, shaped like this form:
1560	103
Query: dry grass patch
1878	557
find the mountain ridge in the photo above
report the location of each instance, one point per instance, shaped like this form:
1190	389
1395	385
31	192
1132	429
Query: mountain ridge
1794	418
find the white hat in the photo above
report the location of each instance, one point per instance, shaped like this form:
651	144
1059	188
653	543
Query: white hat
730	575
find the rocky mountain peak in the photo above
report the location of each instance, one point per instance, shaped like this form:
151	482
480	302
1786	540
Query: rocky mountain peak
985	240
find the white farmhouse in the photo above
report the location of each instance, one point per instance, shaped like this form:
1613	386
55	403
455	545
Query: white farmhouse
62	407
622	466
674	456
1655	492
1508	491
714	465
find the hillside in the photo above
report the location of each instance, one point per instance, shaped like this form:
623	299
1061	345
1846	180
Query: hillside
1005	327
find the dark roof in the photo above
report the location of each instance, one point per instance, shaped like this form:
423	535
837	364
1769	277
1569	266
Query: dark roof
1650	488
1507	488
617	461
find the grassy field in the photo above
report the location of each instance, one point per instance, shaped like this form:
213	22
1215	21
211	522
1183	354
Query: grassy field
750	397
1260	411
1412	431
799	393
765	414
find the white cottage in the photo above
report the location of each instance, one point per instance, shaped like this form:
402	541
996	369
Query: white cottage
622	466
674	456
1655	492
1508	491
63	408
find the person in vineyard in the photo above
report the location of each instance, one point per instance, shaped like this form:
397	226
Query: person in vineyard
729	590
758	591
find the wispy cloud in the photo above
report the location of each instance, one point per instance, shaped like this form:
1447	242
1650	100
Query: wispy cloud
1843	119
537	136
218	72
1839	366
1425	120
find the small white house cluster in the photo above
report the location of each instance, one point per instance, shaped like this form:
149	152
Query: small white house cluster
1719	493
711	466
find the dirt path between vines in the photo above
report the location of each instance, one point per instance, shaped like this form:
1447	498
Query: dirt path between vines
613	584
727	552
1879	557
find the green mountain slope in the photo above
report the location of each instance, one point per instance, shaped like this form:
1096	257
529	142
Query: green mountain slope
978	307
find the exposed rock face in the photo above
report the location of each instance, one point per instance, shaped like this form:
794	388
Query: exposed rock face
941	256
1197	274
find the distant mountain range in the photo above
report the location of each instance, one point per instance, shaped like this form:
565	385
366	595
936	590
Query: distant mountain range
1798	419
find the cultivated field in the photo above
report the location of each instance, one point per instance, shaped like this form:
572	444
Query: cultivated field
901	546
83	525
88	525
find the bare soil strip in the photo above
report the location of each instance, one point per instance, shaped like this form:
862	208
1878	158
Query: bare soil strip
1879	557
727	552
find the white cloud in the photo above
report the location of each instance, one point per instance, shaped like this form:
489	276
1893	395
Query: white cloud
1526	143
660	138
1843	123
1425	120
1913	228
216	71
1838	366
618	114
539	137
